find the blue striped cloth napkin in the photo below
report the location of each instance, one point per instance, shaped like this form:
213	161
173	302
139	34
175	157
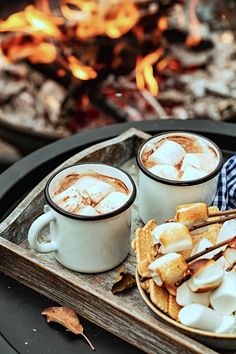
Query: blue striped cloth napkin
226	190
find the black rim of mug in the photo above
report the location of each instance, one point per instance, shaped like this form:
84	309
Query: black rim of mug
179	183
93	217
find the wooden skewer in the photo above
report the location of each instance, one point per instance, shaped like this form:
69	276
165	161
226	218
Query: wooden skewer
202	253
208	249
211	222
223	212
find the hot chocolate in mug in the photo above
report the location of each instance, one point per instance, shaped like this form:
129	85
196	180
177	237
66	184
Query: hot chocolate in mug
89	216
176	168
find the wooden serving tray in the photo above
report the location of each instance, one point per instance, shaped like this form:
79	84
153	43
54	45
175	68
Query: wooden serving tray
124	315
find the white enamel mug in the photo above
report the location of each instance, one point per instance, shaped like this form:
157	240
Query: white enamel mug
88	244
158	197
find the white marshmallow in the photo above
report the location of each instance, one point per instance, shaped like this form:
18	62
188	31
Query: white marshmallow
165	171
207	278
85	182
70	199
208	161
192	173
173	237
88	210
190	159
227	230
168	153
185	296
99	190
223	299
111	202
204	318
202	245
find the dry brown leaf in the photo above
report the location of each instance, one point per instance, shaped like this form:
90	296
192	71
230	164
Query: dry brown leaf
67	318
124	281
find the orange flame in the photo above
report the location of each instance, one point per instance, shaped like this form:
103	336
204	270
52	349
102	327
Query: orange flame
32	21
194	36
42	52
144	72
81	71
124	18
113	19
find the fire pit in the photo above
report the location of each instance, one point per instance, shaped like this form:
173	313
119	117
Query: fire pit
73	65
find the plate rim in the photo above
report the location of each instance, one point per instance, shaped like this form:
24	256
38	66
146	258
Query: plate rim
190	331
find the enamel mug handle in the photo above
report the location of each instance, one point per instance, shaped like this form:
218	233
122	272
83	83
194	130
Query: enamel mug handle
34	231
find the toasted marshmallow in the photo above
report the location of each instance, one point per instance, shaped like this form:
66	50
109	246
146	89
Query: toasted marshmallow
191	214
173	237
156	279
206	319
223	299
111	202
170	268
230	256
168	153
192	173
88	210
207	275
190	159
99	190
185	296
165	171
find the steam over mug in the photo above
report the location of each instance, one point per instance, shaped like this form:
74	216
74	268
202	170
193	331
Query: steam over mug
158	196
85	243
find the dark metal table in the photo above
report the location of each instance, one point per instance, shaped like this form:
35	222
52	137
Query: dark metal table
23	329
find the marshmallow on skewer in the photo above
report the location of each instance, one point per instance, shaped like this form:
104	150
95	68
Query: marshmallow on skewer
192	173
191	214
170	268
207	275
185	296
173	237
165	171
202	245
99	190
223	299
111	202
204	318
168	153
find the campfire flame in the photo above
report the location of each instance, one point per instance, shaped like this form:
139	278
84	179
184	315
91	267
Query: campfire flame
144	72
40	33
42	36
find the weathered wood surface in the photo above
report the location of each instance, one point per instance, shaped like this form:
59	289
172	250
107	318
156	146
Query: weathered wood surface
90	295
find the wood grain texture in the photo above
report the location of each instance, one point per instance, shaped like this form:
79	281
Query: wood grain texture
124	315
